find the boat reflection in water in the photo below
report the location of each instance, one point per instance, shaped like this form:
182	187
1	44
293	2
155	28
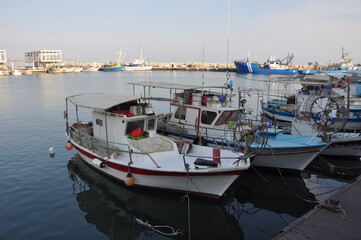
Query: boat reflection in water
127	213
264	202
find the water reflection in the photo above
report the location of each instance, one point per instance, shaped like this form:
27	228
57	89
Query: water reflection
256	197
122	212
267	190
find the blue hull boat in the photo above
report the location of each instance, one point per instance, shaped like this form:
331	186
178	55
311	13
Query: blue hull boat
248	67
111	69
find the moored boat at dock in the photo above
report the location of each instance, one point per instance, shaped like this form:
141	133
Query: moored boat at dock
121	142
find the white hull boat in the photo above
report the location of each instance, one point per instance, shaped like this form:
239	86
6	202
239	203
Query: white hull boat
151	160
346	144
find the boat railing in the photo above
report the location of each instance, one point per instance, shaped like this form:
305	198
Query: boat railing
204	132
238	137
83	136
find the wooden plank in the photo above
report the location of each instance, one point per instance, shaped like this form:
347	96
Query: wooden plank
322	223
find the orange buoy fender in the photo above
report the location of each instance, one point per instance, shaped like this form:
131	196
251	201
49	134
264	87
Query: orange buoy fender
129	179
69	146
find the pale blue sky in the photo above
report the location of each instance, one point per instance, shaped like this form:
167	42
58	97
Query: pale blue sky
175	31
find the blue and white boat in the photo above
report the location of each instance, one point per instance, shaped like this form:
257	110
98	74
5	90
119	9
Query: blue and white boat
272	66
115	67
288	111
288	152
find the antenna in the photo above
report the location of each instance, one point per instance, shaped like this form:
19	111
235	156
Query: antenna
228	34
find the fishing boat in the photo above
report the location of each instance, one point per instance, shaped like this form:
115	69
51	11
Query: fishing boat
139	64
288	152
121	142
345	144
271	66
112	67
206	117
54	70
16	72
77	69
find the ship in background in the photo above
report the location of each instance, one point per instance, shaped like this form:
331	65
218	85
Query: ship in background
272	66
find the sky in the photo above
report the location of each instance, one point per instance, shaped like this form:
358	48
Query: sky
183	30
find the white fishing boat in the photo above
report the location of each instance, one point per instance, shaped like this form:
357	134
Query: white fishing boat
120	140
207	117
346	144
16	72
77	69
138	64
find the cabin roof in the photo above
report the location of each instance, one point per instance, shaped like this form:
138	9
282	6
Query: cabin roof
101	101
169	85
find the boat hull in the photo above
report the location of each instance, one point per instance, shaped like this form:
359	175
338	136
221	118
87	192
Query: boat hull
344	149
138	68
212	184
247	67
111	69
295	159
312	72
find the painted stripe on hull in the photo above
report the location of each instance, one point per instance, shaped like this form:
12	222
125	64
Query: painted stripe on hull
204	184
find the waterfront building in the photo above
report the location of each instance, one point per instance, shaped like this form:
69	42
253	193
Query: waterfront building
44	58
2	56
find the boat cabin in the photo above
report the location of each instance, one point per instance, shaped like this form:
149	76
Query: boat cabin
114	118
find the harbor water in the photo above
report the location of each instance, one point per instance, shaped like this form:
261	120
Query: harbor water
59	197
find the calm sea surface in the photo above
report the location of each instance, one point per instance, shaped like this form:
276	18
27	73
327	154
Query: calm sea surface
61	198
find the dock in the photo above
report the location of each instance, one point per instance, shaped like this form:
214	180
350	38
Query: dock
339	219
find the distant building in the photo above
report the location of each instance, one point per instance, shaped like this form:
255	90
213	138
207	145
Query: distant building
2	56
44	58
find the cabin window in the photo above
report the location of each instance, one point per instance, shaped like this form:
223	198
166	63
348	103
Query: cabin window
132	125
99	122
208	117
151	124
234	116
180	113
223	118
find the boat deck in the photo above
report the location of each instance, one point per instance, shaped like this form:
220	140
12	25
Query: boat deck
322	223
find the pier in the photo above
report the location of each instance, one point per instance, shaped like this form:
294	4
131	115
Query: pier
338	218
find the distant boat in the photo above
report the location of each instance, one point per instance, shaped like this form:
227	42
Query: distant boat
342	68
77	69
115	67
272	66
68	69
54	70
15	72
27	72
138	64
91	69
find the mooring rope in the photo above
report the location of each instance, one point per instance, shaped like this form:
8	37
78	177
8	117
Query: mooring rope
158	227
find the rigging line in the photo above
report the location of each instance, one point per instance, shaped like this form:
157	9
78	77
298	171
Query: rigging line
285	182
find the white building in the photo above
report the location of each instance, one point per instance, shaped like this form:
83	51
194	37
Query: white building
2	56
44	58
